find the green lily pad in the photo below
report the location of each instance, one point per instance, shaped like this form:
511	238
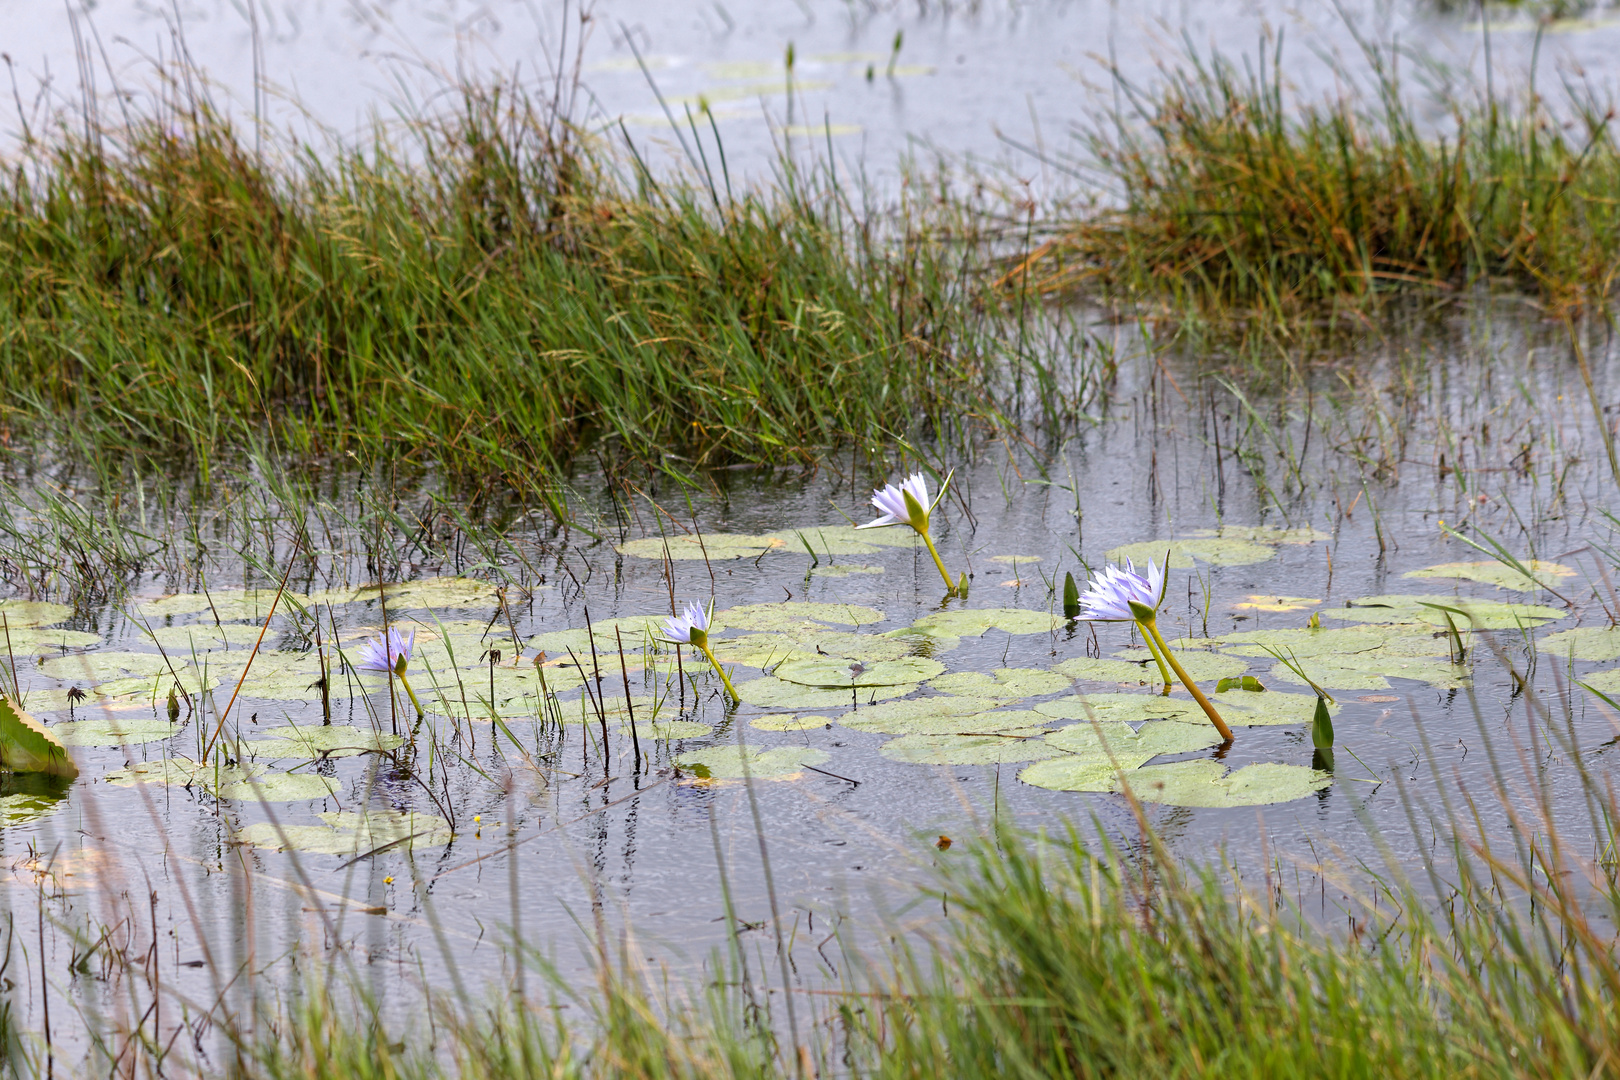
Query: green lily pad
1367	671
832	672
1003	684
1067	772
790	722
280	787
1095	753
843	569
1121	708
988	749
1492	572
438	592
1200	665
728	762
636	631
313	741
1114	671
827	540
113	731
1266	534
1583	643
792	614
1215	550
1425	642
1607	682
774	693
45	640
180	771
974	622
353	833
152	687
180	641
1304	641
27	746
21	614
1206	783
1273	708
667	729
715	547
30	797
763	650
228	605
1483	614
940	716
1014	560
108	664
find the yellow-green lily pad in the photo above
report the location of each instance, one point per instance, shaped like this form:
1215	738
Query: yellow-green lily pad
790	615
986	749
1492	572
1199	664
1367	671
774	693
843	569
666	729
636	631
1304	641
151	687
729	762
22	614
1266	534
280	787
27	746
353	833
974	622
790	722
1481	614
113	731
1215	550
1123	708
828	540
228	605
940	716
180	641
716	547
1093	754
313	741
1104	670
1003	684
1205	783
831	673
45	640
108	664
1583	643
1271	708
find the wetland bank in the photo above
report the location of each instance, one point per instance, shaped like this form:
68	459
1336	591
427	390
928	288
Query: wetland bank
509	393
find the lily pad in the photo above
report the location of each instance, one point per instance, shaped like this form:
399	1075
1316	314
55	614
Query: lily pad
975	621
439	592
1102	670
792	614
940	716
1067	772
353	833
1004	684
1215	550
27	746
1367	671
728	762
828	540
774	693
1256	602
667	729
1584	643
108	664
634	630
1200	665
313	741
1013	560
45	640
1206	783
1273	708
1266	534
988	749
280	787
1492	572
1139	746
1122	708
1304	641
1483	614
151	687
791	722
228	605
21	614
715	547
113	731
833	673
179	641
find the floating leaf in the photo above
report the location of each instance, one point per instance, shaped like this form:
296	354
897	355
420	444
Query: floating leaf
1584	643
1067	772
180	641
353	833
313	741
1303	641
1123	708
1277	603
790	722
840	570
1115	671
728	762
1274	708
840	673
280	787
635	630
1003	684
20	614
715	547
45	640
667	729
1266	534
1492	572
27	746
227	605
774	693
793	614
1208	784
1483	614
989	749
1013	560
767	650
1367	671
825	540
29	797
440	592
151	687
180	771
930	715
1199	664
1215	550
113	731
108	664
974	622
1139	746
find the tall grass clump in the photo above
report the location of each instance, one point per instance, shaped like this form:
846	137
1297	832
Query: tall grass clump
487	287
1234	200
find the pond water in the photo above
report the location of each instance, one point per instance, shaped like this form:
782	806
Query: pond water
414	846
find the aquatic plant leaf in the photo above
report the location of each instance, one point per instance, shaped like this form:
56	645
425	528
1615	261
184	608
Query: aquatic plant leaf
827	541
1148	741
25	807
1274	708
45	640
433	593
1302	641
1201	665
1492	572
774	693
108	664
152	687
179	641
313	741
1066	772
727	762
1243	682
791	722
27	746
1206	783
180	771
635	630
228	605
935	715
1215	550
1265	534
1123	708
791	615
1403	608
763	650
1276	603
666	729
1583	643
113	731
716	547
1367	671
830	672
975	621
22	614
280	787
1015	560
1322	726
353	833
989	749
1003	684
844	569
1104	670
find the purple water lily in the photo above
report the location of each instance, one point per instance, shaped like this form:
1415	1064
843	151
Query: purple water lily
909	504
691	627
1117	595
384	652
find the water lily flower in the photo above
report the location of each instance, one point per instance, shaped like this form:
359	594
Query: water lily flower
389	653
909	504
691	627
1117	595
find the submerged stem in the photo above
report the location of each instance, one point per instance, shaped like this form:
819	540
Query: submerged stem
950	586
720	671
1151	626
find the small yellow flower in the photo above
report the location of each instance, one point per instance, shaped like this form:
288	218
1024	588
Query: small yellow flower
388	881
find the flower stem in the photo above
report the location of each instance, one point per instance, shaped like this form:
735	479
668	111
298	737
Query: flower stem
1158	658
720	671
412	693
1152	628
950	586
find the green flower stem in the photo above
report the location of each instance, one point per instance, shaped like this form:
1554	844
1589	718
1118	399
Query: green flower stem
1158	658
1151	626
720	671
950	586
400	675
